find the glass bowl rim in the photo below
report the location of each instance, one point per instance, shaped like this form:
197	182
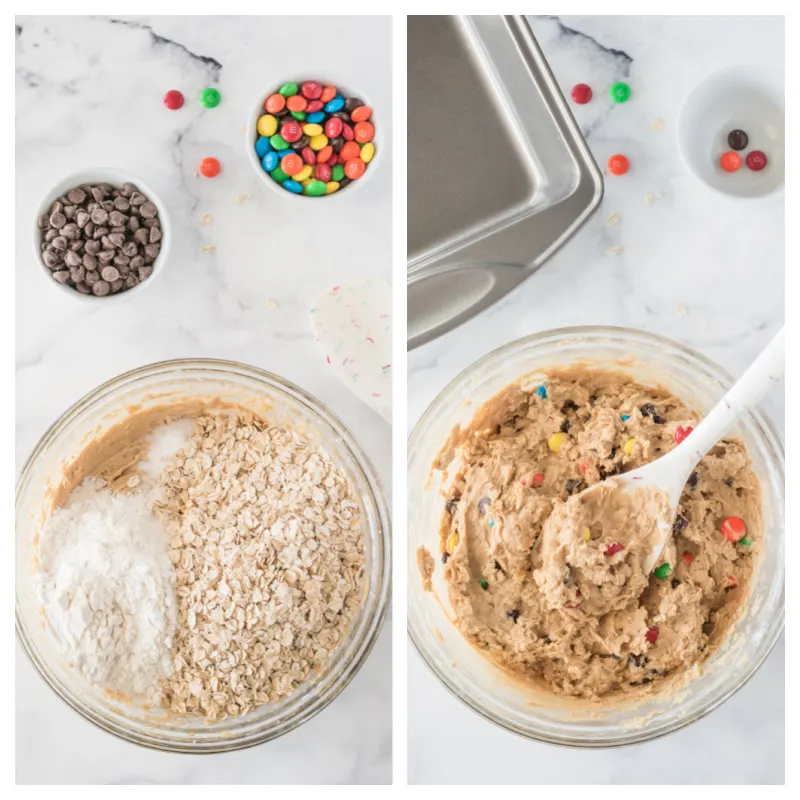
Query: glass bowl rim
373	626
766	430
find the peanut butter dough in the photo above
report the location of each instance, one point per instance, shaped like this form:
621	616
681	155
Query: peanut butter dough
575	613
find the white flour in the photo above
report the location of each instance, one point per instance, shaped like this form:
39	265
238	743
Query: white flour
108	589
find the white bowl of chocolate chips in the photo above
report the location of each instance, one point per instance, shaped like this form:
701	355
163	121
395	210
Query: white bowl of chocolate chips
101	234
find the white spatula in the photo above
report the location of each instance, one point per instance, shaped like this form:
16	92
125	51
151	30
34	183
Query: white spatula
353	325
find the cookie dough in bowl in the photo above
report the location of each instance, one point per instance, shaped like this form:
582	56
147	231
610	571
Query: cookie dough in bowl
202	556
532	605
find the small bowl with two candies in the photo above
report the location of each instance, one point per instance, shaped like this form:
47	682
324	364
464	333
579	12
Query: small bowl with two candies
312	139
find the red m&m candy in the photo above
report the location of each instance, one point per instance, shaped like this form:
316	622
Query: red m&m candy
291	131
681	433
756	160
311	90
173	100
581	93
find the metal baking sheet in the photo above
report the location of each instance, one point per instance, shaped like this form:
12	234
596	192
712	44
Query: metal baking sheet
499	176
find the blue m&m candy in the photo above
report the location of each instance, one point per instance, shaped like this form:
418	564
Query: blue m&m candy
315	117
270	161
262	146
542	392
337	104
292	186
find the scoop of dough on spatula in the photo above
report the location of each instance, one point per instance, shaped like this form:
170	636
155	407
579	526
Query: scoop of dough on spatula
353	325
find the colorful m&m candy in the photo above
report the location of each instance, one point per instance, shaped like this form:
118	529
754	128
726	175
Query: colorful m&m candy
314	140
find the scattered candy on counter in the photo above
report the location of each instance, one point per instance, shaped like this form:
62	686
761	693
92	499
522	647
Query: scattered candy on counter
619	92
173	99
210	98
733	528
618	164
313	140
756	160
681	433
581	93
209	167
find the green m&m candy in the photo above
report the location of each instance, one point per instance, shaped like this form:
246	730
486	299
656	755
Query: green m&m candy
662	571
210	98
288	89
338	172
619	92
278	142
315	189
279	175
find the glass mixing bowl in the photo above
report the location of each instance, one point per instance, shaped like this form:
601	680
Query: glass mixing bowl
273	398
532	711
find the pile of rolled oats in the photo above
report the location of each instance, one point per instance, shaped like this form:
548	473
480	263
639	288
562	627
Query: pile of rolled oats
268	548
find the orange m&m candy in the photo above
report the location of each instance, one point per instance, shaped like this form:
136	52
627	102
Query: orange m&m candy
730	161
354	169
292	164
364	131
324	154
361	114
328	93
296	103
349	151
275	103
209	167
618	164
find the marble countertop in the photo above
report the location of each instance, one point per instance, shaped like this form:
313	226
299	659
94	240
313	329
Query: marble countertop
88	94
694	267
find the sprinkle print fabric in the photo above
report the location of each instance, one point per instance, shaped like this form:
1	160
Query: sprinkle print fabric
353	326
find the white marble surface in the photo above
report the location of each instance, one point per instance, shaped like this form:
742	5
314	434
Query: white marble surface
88	93
724	262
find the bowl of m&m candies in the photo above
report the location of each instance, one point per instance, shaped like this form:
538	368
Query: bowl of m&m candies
311	138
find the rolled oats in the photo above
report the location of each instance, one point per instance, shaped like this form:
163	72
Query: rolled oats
265	535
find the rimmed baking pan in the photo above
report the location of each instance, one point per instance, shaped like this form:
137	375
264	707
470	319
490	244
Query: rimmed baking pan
499	176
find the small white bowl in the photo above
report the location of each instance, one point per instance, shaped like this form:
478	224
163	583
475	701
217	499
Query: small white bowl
116	178
251	135
748	98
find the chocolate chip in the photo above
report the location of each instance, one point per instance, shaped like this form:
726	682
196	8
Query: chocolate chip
658	420
148	210
497	566
99	216
62	276
72	259
564	426
648	409
483	503
679	524
110	274
729	482
693	480
637	660
144	272
451	505
77	274
513	614
76	196
573	485
675	583
57	219
445	556
100	288
548	640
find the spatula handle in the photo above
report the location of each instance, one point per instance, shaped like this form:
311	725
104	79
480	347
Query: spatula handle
762	375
